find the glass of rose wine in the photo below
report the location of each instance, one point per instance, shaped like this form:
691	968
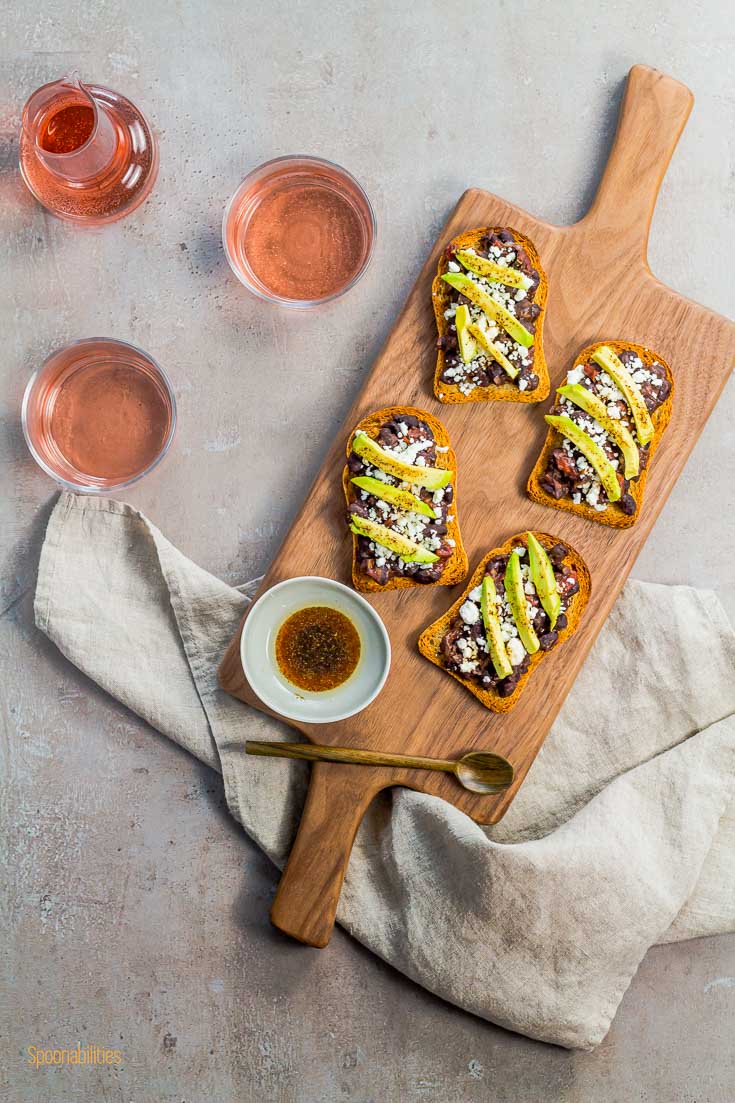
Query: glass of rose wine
98	415
299	231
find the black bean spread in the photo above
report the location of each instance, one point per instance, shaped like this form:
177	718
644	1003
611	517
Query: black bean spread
569	474
483	370
464	646
317	648
411	441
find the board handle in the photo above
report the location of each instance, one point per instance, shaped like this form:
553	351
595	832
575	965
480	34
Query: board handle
653	114
308	893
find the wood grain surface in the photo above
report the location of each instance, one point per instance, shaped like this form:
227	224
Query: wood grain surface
600	288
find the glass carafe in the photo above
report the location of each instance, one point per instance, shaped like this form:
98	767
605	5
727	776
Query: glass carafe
86	153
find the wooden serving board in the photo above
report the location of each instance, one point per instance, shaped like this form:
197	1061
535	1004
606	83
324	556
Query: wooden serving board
600	288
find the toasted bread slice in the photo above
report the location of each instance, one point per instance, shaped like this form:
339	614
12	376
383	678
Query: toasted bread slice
441	295
457	565
613	515
431	638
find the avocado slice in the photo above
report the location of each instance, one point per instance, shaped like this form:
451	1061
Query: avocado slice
592	451
494	310
516	596
495	642
393	494
621	434
543	578
393	541
433	478
481	266
492	350
467	347
623	380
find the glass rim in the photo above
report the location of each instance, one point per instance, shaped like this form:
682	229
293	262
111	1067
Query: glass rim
85	488
281	300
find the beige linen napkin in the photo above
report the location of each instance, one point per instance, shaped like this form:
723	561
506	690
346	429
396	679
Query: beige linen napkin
622	836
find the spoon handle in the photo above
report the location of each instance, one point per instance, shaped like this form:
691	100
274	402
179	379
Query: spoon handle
314	753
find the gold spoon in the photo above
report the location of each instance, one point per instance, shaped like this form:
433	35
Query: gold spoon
479	771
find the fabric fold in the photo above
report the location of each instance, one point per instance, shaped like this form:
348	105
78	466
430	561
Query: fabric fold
621	836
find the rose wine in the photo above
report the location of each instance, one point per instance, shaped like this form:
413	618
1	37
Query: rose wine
299	230
67	129
86	153
99	414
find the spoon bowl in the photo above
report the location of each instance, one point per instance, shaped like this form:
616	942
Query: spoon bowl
484	772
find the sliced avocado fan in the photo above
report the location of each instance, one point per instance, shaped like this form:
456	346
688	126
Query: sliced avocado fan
386	492
591	450
623	380
584	398
409	551
433	478
516	596
507	321
481	266
492	350
543	578
495	642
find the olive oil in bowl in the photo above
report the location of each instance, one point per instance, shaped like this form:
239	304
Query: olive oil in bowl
317	648
313	650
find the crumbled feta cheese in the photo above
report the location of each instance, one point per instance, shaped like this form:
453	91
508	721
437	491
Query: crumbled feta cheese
469	612
516	651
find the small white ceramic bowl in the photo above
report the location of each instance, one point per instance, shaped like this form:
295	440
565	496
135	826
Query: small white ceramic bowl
258	651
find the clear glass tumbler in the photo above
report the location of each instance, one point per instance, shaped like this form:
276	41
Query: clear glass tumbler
98	415
299	231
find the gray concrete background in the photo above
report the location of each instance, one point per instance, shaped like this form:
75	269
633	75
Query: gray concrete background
136	913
